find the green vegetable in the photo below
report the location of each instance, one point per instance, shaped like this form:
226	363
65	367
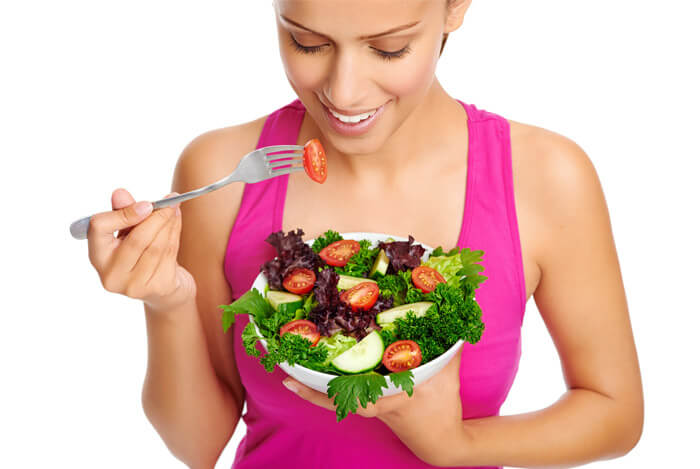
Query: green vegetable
388	316
404	380
345	282
361	262
251	302
401	287
388	333
365	387
380	266
363	356
293	349
456	317
324	240
336	344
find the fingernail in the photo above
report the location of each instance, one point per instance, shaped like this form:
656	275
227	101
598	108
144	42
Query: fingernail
143	208
288	384
178	211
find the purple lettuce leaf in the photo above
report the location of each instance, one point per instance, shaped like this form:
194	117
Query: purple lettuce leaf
292	252
403	255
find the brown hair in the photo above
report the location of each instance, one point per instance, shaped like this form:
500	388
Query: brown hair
444	37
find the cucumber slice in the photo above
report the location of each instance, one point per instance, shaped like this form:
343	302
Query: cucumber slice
390	315
346	281
363	356
381	263
278	298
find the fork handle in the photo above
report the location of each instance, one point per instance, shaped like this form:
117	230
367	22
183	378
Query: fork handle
79	228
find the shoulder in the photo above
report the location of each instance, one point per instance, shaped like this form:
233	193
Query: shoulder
216	150
553	166
556	184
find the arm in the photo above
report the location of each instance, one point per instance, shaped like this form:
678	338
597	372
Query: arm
582	301
192	392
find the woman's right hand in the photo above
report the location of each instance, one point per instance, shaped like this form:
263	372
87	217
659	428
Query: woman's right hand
141	262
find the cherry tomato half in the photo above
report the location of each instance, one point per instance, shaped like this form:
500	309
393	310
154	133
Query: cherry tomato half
304	328
361	297
426	278
299	280
315	163
339	253
402	355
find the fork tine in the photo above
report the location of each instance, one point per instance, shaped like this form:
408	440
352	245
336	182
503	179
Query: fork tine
277	156
278	163
280	172
275	148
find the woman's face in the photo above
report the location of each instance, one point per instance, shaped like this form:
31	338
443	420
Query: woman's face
373	60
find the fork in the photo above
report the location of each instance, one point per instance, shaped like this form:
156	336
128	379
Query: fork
258	165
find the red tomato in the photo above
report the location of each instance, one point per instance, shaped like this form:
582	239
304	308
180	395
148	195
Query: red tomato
361	297
426	278
315	161
402	355
338	253
304	328
299	281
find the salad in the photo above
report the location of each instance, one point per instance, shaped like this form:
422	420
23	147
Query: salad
361	313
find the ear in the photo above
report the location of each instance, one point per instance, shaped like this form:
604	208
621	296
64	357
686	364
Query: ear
456	9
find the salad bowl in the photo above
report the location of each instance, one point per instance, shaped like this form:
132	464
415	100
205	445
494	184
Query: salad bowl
318	380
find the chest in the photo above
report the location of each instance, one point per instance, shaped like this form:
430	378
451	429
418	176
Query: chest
431	213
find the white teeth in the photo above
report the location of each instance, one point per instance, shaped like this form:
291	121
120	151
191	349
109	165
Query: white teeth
352	119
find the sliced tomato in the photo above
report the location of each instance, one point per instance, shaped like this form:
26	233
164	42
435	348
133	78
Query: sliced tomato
315	163
361	297
426	278
304	328
402	355
299	280
339	253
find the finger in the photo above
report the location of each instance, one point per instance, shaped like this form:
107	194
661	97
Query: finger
121	198
150	258
130	249
166	271
102	226
311	395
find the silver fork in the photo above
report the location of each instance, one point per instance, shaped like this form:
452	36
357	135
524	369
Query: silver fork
258	165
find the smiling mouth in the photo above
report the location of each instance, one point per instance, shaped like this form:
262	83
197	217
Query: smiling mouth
352	119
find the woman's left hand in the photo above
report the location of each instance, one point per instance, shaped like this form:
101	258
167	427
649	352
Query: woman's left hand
429	422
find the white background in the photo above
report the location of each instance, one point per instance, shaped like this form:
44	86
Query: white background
97	95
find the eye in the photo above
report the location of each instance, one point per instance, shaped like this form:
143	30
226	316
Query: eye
394	54
305	49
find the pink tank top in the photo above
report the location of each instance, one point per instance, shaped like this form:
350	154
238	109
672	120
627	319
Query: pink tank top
284	430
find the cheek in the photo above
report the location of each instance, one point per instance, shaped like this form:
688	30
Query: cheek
412	77
304	73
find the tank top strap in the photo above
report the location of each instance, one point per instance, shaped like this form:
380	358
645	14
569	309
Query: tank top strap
260	211
491	195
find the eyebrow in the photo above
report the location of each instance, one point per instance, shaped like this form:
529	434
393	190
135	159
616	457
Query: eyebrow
371	36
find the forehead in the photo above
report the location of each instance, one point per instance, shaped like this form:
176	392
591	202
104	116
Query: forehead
356	18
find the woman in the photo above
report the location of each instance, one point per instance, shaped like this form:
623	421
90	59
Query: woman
401	170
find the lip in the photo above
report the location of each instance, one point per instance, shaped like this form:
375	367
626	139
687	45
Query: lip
352	130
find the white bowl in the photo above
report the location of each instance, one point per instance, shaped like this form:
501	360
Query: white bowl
318	380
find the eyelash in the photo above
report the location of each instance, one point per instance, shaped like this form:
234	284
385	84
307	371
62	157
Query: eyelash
383	54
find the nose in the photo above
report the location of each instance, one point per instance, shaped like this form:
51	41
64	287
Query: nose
346	87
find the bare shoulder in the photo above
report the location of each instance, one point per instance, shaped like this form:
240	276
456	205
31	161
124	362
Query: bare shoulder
206	225
555	184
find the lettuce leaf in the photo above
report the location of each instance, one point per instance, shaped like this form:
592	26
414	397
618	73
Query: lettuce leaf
336	344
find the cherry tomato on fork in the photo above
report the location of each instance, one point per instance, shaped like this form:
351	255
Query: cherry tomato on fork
315	163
